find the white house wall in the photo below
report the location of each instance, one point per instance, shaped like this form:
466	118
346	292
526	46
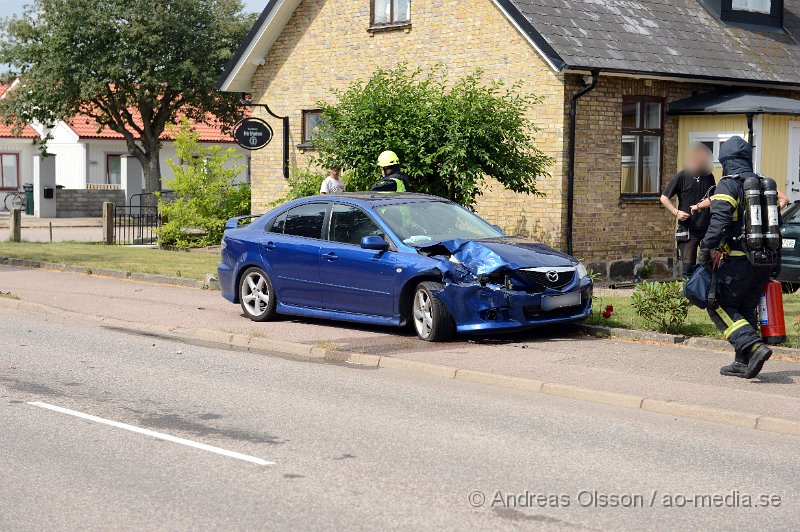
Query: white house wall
25	150
70	164
70	157
98	150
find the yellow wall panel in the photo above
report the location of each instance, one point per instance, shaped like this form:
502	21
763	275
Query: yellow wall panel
774	149
707	124
774	140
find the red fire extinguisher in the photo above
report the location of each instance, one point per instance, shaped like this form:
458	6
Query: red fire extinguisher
773	326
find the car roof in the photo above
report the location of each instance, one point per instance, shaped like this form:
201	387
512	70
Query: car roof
384	198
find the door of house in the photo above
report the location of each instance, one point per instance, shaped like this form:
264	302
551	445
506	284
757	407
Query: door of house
793	177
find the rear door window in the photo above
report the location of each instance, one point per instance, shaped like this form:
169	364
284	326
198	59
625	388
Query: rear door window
277	224
305	220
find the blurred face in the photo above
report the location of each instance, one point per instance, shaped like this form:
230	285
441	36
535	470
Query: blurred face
699	160
334	173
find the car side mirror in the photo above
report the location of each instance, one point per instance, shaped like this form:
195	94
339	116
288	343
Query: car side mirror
375	243
499	228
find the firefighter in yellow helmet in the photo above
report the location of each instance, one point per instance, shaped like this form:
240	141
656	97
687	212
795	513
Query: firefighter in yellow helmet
392	179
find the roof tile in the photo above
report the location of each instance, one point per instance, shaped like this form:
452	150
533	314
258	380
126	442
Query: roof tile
679	37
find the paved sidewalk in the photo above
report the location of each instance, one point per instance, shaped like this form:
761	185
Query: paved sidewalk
565	356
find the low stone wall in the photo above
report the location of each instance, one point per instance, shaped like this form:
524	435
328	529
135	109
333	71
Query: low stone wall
627	270
76	203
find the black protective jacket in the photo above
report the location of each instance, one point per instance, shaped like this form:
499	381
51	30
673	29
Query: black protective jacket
727	204
388	183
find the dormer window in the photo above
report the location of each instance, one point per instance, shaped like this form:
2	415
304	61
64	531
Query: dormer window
755	6
756	14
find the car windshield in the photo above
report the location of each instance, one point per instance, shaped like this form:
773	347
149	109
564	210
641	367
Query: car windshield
423	223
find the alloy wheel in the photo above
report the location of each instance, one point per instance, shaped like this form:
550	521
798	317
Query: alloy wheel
423	317
255	294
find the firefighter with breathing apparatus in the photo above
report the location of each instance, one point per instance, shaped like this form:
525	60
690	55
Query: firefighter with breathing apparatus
745	229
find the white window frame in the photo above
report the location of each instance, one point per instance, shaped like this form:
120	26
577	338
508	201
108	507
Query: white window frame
112	155
717	137
393	18
16	156
749	5
631	161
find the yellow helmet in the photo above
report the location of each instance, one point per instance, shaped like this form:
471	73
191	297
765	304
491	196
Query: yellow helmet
388	158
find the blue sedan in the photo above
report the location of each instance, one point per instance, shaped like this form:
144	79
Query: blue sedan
397	259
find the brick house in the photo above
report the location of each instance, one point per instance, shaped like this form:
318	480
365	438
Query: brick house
624	65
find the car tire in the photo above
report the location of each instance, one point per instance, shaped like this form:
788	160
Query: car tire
431	319
256	295
790	288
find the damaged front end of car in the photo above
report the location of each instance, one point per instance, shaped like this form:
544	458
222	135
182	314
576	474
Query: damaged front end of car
486	290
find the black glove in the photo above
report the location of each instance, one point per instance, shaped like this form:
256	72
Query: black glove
705	258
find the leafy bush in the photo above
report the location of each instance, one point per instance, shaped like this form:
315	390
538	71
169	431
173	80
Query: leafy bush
303	182
661	304
449	135
206	193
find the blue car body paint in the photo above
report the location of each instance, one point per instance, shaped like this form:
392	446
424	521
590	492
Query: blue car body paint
488	284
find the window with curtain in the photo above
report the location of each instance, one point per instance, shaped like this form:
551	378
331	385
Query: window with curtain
9	171
642	145
386	12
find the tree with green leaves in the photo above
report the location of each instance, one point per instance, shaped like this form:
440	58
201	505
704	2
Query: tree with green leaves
134	66
206	192
449	137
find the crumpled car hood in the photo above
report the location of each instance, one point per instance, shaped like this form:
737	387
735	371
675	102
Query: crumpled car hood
484	257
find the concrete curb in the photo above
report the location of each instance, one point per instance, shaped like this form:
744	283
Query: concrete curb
114	274
633	334
258	344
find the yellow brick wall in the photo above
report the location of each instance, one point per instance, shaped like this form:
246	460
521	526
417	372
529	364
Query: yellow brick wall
326	45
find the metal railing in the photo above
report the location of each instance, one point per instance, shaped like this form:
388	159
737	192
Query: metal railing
136	225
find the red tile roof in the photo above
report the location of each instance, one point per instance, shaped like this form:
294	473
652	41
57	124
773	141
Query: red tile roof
87	128
7	131
27	132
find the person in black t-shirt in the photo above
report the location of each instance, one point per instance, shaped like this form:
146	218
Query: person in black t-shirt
692	184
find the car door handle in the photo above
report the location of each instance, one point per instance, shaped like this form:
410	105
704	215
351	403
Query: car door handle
270	246
330	257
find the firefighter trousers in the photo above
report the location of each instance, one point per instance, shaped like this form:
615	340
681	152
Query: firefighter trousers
738	294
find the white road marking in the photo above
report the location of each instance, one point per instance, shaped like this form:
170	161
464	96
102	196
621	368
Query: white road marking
157	435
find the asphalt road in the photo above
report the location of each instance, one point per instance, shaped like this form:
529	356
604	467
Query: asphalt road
349	448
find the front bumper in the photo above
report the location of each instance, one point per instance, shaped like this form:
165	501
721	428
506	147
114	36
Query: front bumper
477	308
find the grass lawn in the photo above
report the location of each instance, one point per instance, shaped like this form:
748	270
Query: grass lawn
125	258
698	323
